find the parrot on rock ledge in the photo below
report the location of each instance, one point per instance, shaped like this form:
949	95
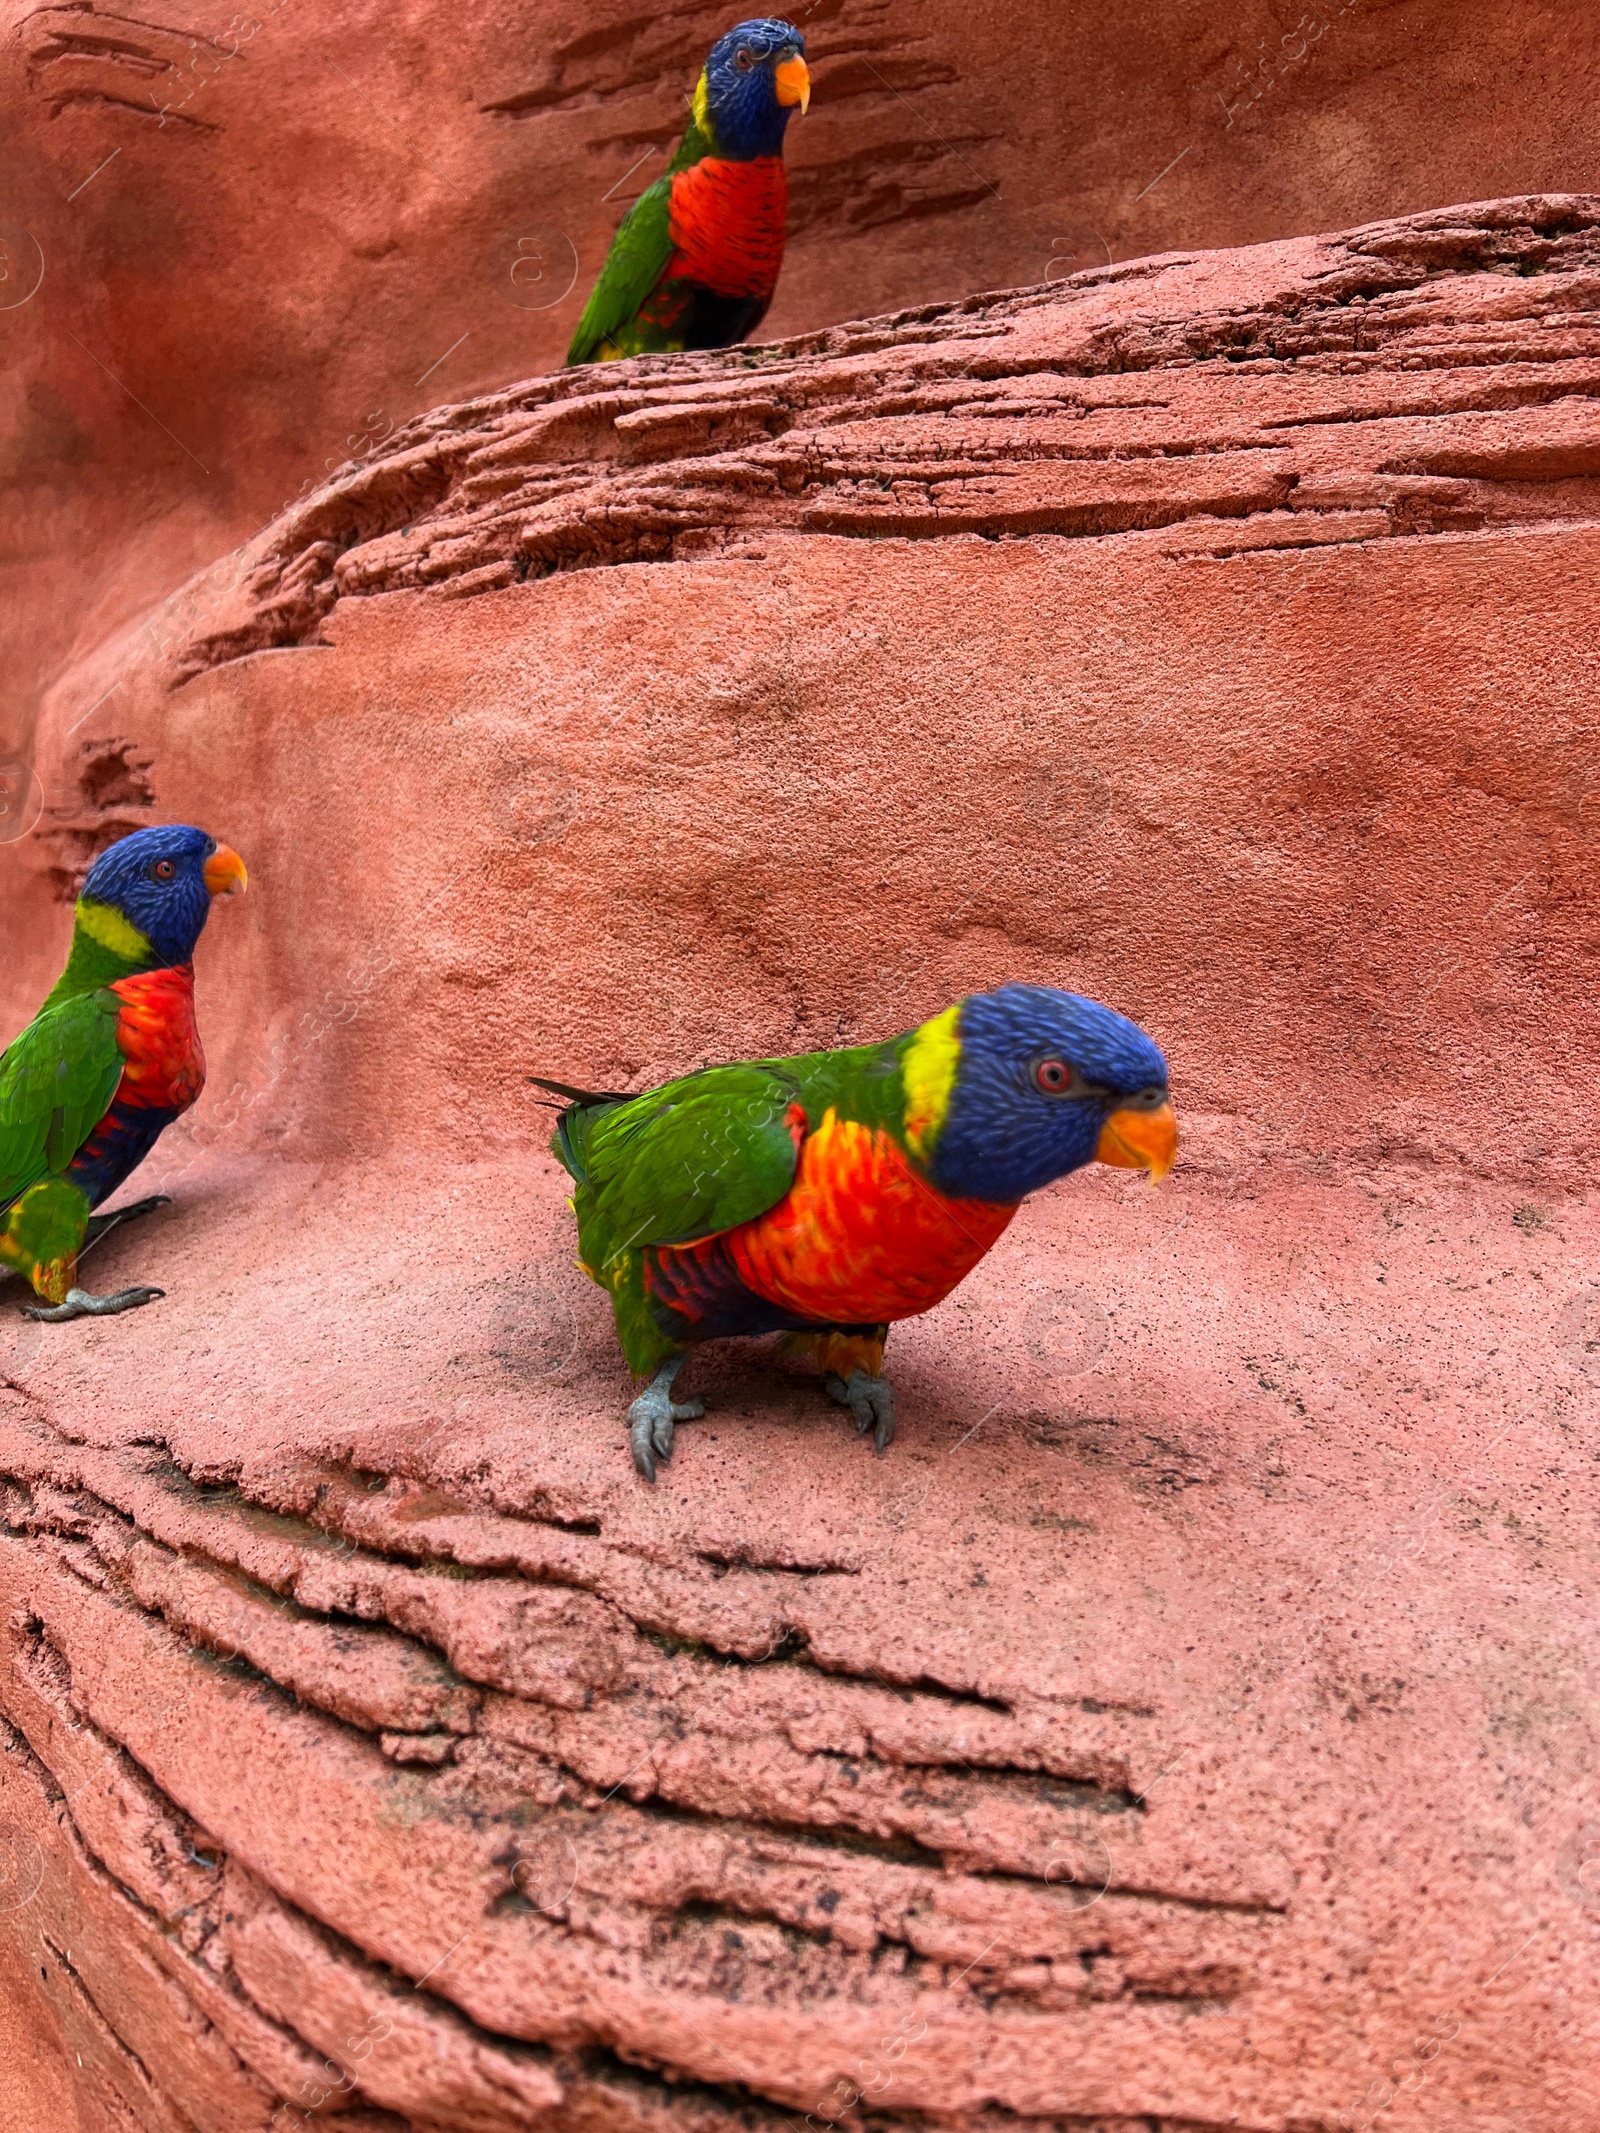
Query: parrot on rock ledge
825	1196
109	1061
696	261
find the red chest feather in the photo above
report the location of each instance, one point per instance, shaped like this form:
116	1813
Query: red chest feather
727	223
164	1068
859	1237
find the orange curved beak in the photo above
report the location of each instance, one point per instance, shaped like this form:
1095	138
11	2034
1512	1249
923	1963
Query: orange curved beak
1140	1140
793	82
225	872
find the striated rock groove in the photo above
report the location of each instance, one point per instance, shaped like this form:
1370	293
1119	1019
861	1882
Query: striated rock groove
773	1832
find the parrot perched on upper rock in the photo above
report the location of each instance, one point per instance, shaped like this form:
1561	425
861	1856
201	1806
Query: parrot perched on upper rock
826	1196
696	261
110	1059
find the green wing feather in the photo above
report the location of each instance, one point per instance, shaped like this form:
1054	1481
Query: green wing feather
639	251
56	1083
686	1161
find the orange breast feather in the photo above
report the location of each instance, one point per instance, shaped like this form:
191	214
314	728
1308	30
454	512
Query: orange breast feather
859	1237
163	1065
727	223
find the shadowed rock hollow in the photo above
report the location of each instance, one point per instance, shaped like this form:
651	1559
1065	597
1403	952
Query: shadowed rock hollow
1188	1724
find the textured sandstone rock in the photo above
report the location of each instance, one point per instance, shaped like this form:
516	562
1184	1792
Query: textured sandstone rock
1189	1724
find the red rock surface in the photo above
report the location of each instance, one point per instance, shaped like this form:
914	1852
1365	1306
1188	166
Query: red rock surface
1189	1724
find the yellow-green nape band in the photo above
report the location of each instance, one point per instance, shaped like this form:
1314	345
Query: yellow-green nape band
929	1071
112	930
702	103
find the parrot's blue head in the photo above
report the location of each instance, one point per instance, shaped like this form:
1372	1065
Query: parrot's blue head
147	896
1011	1089
756	76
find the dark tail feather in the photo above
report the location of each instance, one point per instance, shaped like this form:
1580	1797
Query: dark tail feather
577	1096
583	1106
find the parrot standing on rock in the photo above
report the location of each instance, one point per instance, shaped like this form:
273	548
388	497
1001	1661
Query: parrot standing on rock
696	261
826	1196
110	1059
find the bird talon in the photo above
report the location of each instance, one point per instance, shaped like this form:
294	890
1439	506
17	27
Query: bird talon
651	1418
871	1405
80	1304
649	1435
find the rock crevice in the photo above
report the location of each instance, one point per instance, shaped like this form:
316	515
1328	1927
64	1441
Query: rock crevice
887	1855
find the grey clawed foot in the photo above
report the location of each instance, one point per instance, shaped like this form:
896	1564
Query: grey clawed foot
100	1225
80	1304
652	1416
871	1405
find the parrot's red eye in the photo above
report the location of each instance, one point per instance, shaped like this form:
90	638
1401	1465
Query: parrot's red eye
744	59
163	870
1053	1076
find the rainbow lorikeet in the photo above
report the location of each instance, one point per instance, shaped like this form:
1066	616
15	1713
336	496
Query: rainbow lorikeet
696	261
826	1196
110	1059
